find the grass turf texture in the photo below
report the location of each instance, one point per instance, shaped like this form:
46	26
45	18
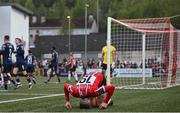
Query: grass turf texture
167	100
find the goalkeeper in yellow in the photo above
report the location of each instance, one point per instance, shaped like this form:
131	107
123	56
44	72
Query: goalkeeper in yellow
104	58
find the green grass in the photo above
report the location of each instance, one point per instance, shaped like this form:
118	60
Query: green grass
167	100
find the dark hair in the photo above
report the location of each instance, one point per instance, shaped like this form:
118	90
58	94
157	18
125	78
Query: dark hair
84	104
6	37
53	48
29	51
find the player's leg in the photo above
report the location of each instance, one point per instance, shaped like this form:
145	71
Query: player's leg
56	73
7	75
15	73
10	78
104	67
74	73
75	76
50	74
22	69
69	75
33	76
31	73
1	78
27	78
111	72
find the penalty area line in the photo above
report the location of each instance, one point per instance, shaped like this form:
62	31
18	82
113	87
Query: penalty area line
24	94
32	98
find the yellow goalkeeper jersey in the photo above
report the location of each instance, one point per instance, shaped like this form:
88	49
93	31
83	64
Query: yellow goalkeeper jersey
112	54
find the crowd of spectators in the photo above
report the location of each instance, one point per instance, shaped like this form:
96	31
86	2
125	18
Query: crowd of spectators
153	63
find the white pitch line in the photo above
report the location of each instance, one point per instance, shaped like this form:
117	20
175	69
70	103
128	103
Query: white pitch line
26	94
32	98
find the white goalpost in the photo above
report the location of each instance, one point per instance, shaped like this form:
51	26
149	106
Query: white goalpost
147	53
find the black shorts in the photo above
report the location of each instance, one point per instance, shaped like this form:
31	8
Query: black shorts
20	67
7	68
30	69
104	67
54	68
53	71
73	69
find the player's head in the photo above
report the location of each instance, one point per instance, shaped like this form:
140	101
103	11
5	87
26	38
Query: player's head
6	38
53	48
29	51
18	41
91	101
85	103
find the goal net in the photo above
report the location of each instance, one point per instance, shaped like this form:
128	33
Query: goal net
147	53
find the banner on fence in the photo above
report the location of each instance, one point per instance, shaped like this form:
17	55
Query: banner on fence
132	72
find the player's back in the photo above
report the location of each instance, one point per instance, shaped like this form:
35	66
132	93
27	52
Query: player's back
54	60
86	86
7	50
30	60
20	54
112	52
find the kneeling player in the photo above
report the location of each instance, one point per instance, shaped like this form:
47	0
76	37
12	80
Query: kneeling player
91	85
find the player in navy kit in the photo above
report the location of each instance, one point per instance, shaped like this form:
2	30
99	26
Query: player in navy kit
53	65
30	61
20	63
7	50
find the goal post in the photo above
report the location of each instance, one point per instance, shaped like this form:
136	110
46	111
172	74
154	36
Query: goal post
147	53
108	50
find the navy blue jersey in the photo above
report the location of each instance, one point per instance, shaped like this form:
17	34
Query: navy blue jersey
20	54
29	60
7	50
54	60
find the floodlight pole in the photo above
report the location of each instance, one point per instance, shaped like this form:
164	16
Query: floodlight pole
85	52
97	15
69	40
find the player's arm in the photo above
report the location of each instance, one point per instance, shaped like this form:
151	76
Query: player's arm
109	90
67	89
3	49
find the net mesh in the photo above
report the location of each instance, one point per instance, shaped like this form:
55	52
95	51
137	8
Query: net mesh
162	51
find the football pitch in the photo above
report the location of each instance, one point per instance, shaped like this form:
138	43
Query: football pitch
50	98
